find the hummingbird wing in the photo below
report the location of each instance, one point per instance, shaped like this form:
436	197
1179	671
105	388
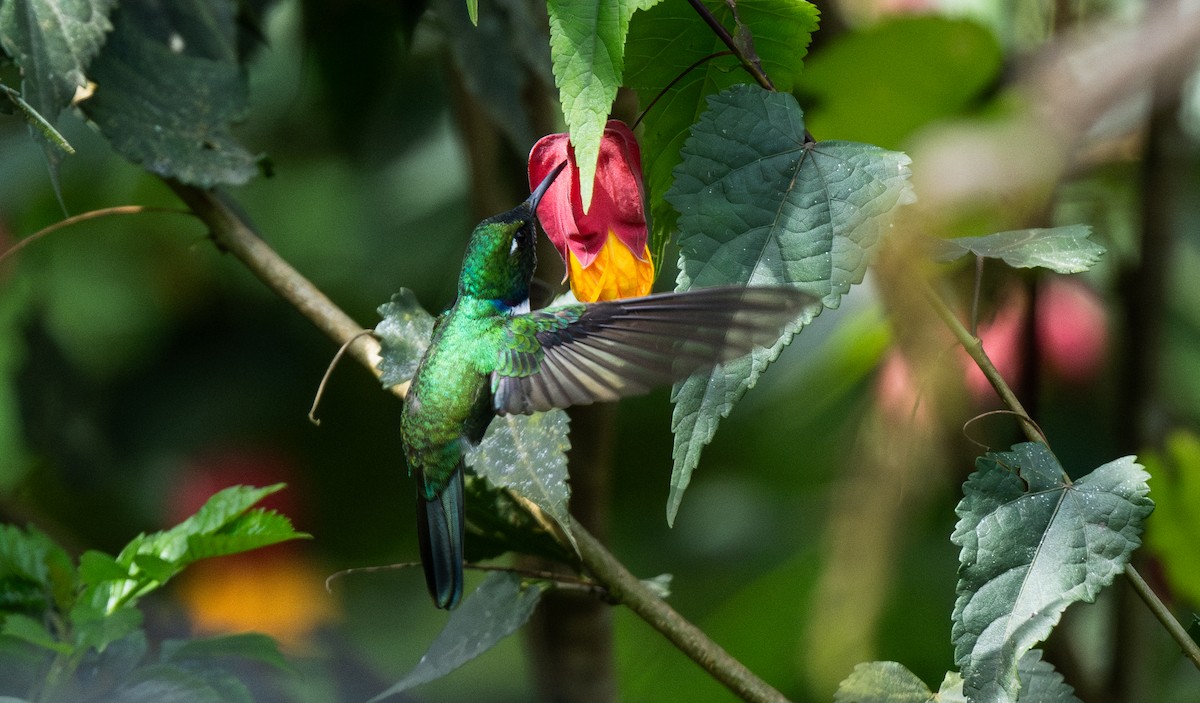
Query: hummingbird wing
586	353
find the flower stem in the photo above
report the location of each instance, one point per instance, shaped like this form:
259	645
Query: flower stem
752	67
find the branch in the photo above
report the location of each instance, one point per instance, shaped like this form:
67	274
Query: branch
752	66
231	232
975	349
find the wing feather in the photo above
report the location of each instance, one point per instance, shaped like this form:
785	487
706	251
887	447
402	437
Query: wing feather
604	351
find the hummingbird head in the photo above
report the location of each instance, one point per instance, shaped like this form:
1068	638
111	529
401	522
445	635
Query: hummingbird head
501	254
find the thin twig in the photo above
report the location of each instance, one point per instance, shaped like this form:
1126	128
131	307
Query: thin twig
682	74
84	217
975	295
990	413
1190	649
312	412
975	349
559	580
723	34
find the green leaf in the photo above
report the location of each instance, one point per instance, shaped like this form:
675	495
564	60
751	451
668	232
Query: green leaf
951	690
587	52
43	127
170	86
255	529
473	11
1175	530
223	508
500	524
32	631
163	683
760	206
94	628
98	567
1060	249
1032	544
35	573
882	682
958	61
1040	683
665	42
250	646
404	334
224	525
53	41
528	455
154	567
494	611
889	682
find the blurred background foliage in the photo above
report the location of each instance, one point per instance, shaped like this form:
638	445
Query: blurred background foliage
141	370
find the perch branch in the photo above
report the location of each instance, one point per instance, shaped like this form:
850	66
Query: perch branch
231	232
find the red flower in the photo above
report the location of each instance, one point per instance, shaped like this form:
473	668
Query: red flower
605	249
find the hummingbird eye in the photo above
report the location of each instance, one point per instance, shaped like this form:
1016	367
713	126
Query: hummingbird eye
520	238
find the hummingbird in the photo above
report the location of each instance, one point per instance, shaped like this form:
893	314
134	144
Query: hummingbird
490	355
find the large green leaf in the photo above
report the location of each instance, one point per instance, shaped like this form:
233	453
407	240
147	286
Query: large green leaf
1066	249
667	40
53	41
528	455
404	334
759	205
1032	544
169	88
587	51
496	609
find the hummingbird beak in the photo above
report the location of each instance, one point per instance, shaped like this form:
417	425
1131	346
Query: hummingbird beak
536	196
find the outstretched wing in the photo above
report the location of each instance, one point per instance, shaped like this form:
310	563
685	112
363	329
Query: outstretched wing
586	353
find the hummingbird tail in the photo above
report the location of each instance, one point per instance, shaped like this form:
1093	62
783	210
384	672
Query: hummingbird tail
440	527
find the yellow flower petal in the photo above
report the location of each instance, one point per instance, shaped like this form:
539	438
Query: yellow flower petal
615	273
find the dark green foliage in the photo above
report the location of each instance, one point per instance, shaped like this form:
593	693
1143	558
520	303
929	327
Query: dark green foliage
171	86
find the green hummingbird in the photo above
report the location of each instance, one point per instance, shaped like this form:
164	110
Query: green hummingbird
491	355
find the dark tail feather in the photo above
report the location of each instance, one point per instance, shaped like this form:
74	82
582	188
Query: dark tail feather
440	527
